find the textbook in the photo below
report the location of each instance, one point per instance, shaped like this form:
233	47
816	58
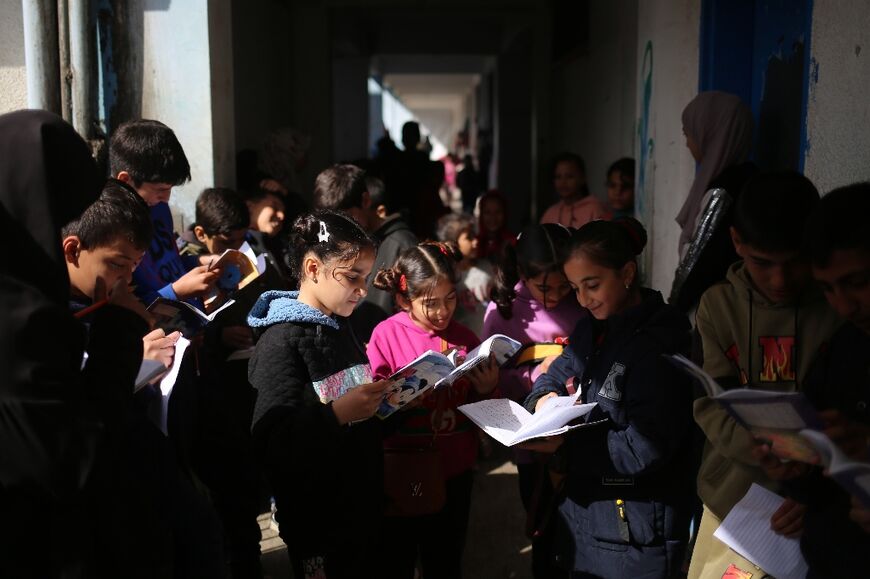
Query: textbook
172	315
511	424
773	417
435	370
852	475
336	385
535	353
239	267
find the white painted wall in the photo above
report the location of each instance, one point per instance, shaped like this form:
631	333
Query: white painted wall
182	88
593	95
13	79
838	111
669	29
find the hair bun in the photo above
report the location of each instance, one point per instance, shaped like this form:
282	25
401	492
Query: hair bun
387	280
634	231
305	227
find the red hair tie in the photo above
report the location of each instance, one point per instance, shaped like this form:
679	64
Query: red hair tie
443	250
403	283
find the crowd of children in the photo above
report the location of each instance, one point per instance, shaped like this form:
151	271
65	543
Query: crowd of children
275	398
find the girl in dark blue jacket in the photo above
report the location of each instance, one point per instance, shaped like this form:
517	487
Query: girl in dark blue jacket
628	479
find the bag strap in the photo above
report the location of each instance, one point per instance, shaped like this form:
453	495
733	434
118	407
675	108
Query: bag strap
440	401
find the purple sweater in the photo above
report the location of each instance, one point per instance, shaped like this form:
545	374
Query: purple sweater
530	323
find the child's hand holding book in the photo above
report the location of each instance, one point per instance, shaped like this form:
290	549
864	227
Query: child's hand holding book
484	377
196	282
360	403
160	346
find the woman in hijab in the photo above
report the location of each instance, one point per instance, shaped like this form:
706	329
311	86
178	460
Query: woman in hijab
56	415
718	128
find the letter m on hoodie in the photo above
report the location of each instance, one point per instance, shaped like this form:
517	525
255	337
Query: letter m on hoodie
777	355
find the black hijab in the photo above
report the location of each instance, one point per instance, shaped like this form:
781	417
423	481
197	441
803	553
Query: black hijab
47	178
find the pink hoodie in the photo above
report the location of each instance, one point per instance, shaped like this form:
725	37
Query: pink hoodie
397	341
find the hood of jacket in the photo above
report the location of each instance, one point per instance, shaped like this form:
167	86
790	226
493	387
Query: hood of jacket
739	278
666	324
280	307
391	225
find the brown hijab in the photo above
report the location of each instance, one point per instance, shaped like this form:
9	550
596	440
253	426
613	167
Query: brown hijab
721	125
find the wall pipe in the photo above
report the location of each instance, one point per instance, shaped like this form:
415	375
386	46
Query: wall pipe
65	72
41	54
82	51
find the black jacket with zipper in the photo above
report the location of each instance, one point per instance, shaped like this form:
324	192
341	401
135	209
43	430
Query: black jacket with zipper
327	478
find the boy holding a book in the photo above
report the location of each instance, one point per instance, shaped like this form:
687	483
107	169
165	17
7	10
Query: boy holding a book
101	249
760	328
224	459
146	155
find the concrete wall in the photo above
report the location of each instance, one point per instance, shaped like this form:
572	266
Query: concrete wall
185	84
594	94
667	64
838	109
13	79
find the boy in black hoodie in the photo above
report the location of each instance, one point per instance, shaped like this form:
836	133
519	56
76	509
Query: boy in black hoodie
345	188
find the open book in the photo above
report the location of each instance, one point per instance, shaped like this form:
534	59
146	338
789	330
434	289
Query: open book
434	370
239	267
510	424
852	475
746	529
336	385
171	315
535	353
774	417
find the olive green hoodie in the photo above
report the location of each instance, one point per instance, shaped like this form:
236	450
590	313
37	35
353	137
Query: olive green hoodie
751	341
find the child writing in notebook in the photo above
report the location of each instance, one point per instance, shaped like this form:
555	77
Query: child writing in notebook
323	458
532	303
423	281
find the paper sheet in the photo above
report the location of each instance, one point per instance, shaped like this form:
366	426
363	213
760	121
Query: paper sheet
510	424
168	383
746	529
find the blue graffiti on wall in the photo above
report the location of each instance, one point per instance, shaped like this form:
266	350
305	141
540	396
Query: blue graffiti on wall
644	186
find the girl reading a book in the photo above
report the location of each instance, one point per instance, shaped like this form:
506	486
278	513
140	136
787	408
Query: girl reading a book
627	492
323	459
423	281
533	304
